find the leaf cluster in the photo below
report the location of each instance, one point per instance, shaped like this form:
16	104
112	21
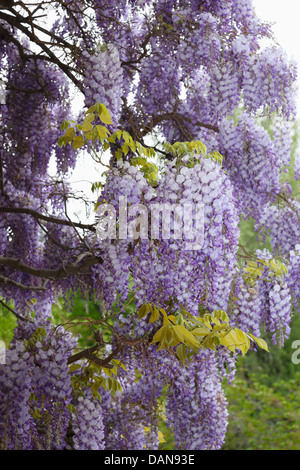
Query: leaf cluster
188	333
89	132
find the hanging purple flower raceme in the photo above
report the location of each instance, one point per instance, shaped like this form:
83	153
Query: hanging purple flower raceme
246	310
159	84
17	429
87	423
278	317
37	95
196	407
103	79
225	90
132	414
185	262
269	83
293	275
125	187
52	385
251	162
281	225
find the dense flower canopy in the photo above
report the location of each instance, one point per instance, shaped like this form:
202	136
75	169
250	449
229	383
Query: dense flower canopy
175	96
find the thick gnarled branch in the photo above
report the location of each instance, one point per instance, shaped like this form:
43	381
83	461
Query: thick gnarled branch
37	215
89	353
79	266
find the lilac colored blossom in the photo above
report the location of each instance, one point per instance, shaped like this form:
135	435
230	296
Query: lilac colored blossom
103	79
88	424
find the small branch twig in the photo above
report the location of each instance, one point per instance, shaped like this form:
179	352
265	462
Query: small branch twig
7	280
14	312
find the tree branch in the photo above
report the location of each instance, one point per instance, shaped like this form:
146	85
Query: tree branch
15	22
59	273
47	218
88	353
14	312
175	116
7	280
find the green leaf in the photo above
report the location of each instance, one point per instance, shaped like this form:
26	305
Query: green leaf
127	137
103	132
74	367
119	363
200	331
154	314
118	154
91	134
112	385
78	142
143	311
181	353
125	149
243	339
69	135
228	340
235	338
173	319
86	127
88	119
185	336
165	317
104	114
91	109
261	342
95	186
65	124
61	141
160	334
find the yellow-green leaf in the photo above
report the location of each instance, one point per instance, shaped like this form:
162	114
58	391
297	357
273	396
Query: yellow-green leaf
172	318
154	314
74	367
69	135
228	340
144	310
261	342
184	335
103	132
161	437
243	339
181	353
200	331
165	316
104	114
91	109
86	127
61	141
78	142
88	119
160	334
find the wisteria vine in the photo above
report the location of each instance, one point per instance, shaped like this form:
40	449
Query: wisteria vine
175	96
